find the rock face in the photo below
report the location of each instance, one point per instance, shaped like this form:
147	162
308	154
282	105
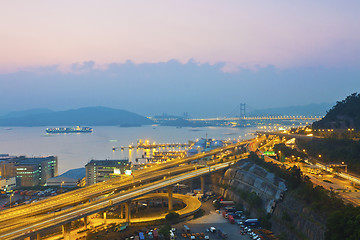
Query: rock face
290	217
249	177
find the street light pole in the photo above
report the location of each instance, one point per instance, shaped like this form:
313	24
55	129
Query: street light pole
280	156
10	198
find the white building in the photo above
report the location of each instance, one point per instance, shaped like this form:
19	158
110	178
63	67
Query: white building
7	184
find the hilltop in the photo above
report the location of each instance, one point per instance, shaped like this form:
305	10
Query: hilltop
344	115
90	116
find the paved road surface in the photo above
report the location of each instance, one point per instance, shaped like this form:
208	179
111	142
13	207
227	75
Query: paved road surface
212	219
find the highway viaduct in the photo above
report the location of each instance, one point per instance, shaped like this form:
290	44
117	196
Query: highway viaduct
24	221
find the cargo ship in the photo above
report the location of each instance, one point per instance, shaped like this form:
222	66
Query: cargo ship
77	129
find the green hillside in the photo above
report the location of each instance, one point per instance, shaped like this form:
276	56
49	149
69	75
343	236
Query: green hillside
344	115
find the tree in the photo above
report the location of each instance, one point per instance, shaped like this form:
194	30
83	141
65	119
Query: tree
172	216
165	231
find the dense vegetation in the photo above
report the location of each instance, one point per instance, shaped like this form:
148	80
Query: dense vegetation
334	151
345	114
343	220
345	134
165	231
172	216
344	224
292	176
287	151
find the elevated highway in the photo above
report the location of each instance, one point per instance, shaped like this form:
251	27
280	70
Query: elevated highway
116	184
192	205
24	220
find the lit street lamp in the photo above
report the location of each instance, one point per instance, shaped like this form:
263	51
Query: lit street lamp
343	163
61	186
10	198
280	156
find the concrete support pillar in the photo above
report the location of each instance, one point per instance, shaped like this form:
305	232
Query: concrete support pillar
122	211
147	204
38	237
170	201
127	212
85	219
136	206
66	228
202	180
190	183
104	214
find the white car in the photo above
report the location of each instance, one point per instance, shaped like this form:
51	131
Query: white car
212	229
206	237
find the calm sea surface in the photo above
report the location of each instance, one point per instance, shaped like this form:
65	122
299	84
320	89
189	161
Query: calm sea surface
75	150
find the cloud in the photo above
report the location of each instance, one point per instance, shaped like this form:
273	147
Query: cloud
84	66
201	89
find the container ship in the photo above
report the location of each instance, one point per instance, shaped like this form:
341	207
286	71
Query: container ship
77	129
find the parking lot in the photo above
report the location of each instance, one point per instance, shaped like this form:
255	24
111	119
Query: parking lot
212	219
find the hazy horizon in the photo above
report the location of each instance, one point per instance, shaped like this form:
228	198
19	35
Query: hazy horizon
313	109
172	87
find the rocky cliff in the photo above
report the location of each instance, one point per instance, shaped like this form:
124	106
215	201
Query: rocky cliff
290	217
249	177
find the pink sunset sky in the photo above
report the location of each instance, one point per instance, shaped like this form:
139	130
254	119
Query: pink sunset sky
168	56
285	34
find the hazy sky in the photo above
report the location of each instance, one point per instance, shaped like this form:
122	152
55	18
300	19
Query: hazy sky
172	56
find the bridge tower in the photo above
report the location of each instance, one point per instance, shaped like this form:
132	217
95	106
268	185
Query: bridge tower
242	114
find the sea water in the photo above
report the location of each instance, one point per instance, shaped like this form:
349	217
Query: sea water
74	150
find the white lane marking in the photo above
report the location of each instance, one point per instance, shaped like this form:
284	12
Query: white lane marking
129	195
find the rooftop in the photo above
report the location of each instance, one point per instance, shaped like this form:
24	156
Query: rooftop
31	161
108	162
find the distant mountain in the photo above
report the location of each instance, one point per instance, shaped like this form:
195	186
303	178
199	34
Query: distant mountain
180	122
307	110
26	112
345	114
89	116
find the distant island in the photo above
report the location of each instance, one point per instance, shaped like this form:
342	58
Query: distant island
344	115
88	116
181	122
